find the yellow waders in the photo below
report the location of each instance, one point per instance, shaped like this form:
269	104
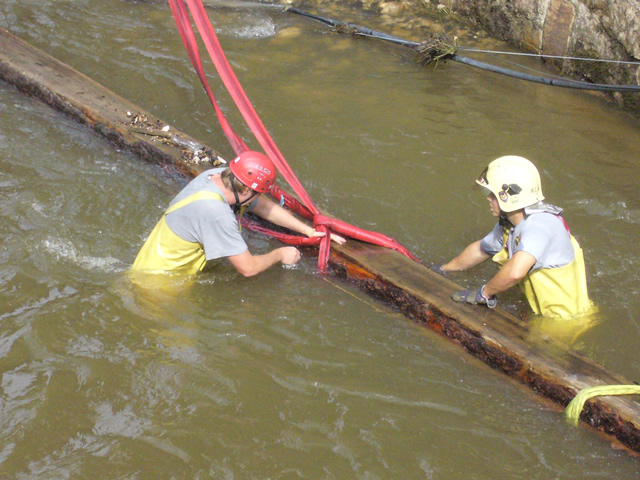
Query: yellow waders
166	252
555	292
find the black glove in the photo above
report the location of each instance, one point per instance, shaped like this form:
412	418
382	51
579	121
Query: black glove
437	269
476	297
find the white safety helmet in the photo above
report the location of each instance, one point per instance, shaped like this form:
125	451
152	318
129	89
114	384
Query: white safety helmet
514	181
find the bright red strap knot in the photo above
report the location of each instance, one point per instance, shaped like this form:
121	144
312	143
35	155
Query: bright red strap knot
320	220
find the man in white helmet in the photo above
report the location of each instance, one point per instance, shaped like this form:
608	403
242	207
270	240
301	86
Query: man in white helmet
531	242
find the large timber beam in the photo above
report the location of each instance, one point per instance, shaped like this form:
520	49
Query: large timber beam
127	125
501	340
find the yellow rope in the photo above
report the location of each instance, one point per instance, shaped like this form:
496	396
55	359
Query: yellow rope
572	412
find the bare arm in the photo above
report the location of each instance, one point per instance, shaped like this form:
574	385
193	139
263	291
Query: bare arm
249	265
510	274
470	257
274	213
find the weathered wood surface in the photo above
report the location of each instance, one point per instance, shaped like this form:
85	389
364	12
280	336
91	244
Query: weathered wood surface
499	339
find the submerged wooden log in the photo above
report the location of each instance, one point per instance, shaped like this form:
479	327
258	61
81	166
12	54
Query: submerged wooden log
499	339
124	123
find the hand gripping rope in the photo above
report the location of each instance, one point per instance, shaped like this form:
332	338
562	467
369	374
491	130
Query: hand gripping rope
305	207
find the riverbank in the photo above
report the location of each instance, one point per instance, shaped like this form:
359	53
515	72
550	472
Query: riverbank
606	29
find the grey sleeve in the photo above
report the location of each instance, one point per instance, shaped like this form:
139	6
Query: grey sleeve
493	242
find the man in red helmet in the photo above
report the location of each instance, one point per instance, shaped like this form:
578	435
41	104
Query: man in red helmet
201	225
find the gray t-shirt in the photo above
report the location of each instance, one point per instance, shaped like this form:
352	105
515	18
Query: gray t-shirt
208	222
542	235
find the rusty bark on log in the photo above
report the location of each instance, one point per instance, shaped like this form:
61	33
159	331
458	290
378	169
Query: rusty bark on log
499	339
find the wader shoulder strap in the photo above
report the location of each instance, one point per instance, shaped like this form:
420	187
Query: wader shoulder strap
196	196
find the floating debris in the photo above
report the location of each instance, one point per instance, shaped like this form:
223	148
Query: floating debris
142	122
346	28
192	152
436	47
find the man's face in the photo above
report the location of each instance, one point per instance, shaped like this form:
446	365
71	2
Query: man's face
494	206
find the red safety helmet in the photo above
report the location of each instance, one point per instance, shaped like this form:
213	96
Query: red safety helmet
255	170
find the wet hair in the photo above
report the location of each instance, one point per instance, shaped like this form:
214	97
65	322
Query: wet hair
230	181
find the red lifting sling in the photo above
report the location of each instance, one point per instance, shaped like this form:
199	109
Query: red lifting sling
306	207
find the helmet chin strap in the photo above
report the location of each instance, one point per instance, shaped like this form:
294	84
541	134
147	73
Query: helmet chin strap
504	220
254	194
238	205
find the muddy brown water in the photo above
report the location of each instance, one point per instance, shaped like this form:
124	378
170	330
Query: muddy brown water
290	374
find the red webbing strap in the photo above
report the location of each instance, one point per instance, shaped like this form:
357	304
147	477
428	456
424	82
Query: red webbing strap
338	225
188	38
237	93
291	203
241	100
307	209
295	240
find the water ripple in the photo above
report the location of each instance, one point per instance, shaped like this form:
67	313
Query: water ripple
300	385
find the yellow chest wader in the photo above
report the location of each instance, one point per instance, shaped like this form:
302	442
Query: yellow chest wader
554	292
166	252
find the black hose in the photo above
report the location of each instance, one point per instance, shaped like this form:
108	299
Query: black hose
361	30
554	82
468	61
